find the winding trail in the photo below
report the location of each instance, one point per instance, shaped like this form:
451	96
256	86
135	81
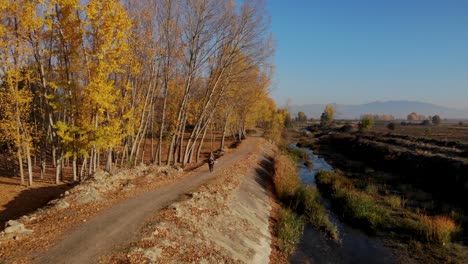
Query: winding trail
119	224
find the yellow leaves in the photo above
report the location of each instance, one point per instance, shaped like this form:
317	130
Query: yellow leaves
62	131
110	30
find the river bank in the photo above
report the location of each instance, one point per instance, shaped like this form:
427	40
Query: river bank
404	205
353	245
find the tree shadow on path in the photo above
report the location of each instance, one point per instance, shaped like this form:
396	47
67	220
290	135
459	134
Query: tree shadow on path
29	200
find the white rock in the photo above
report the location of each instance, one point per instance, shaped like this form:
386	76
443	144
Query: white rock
62	204
153	253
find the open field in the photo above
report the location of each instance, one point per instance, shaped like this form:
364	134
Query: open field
450	131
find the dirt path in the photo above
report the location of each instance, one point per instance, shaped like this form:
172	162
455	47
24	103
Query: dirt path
120	223
226	220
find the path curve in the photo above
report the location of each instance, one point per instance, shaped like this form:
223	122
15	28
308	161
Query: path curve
119	224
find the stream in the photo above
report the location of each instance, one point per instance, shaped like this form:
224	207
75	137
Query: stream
354	245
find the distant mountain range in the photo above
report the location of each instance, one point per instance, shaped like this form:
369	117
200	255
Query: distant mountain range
399	109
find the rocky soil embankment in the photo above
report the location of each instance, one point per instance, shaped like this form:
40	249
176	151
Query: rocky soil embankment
40	229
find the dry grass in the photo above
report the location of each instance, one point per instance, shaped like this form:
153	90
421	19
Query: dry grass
394	201
286	179
372	189
446	131
438	229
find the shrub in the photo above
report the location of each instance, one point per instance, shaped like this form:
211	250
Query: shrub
366	124
391	126
394	201
326	119
460	123
289	231
436	120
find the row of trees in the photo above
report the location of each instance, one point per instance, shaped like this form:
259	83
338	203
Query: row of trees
378	117
436	120
91	82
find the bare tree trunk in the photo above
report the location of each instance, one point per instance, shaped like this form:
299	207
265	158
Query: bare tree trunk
124	155
143	151
20	162
54	161
109	160
201	144
58	168
143	121
233	134
43	161
224	131
91	162
97	160
179	149
83	169
30	172
161	129
152	155
75	169
171	148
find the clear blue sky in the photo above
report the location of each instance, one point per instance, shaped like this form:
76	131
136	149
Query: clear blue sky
358	51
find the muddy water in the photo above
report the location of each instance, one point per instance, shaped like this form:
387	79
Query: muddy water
354	246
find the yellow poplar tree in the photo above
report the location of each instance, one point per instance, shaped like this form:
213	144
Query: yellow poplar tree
18	19
109	28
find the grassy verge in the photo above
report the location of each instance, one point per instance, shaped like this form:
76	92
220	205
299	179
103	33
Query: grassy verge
307	203
301	204
374	212
298	154
289	230
359	207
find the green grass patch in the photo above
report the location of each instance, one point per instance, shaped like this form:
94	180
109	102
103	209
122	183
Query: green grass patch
308	204
298	154
289	231
358	206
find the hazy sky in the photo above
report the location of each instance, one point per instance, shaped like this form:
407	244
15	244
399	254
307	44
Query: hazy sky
357	51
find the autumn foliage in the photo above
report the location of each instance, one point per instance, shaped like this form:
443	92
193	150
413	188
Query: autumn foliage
91	81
